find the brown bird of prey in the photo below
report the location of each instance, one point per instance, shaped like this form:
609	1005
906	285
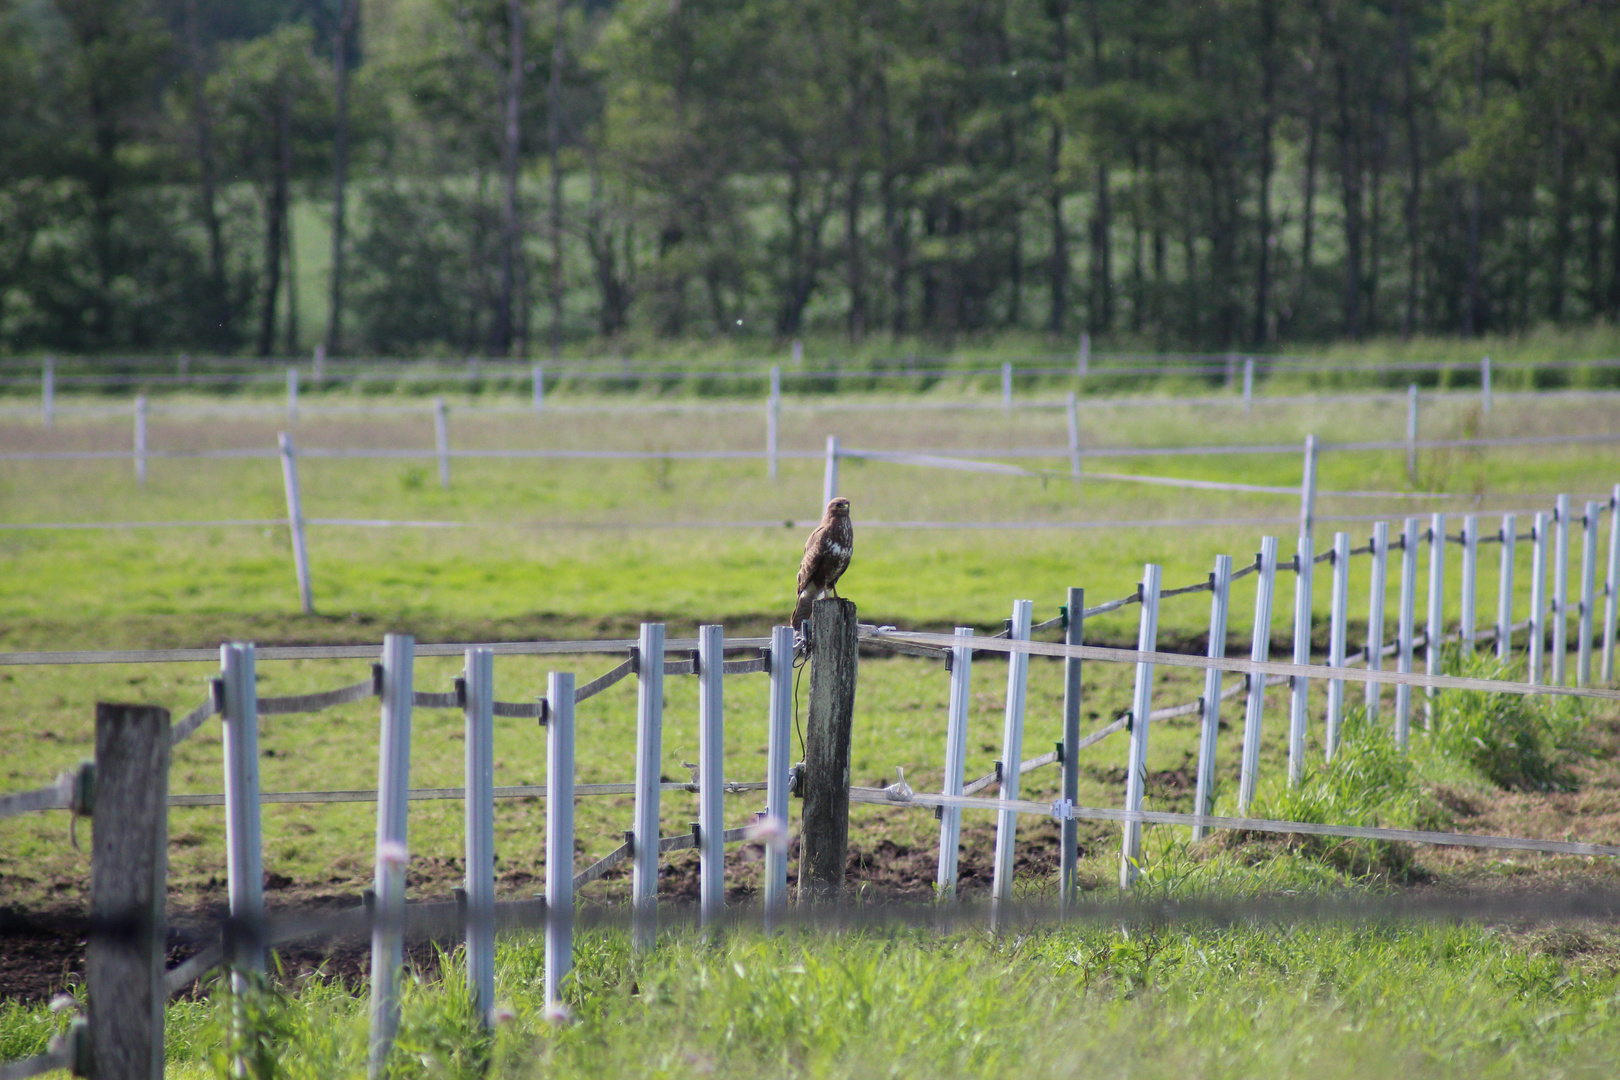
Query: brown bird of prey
826	557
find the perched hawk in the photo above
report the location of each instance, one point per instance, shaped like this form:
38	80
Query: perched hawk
826	557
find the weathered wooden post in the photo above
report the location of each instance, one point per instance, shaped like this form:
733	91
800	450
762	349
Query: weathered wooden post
649	756
824	847
1074	628
128	892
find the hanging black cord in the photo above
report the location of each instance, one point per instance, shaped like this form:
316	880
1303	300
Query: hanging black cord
799	663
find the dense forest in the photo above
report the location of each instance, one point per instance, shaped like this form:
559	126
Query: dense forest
511	177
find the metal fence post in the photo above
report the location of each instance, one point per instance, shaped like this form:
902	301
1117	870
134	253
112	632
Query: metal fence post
773	421
1485	385
956	719
1209	707
1012	757
1337	627
441	441
1469	616
1589	543
1375	612
1504	594
1538	595
479	718
393	793
1248	385
1074	627
1147	638
1074	435
559	955
244	858
1084	363
778	754
1307	491
711	773
1411	431
295	522
140	439
649	760
1437	611
1259	650
1611	586
538	376
319	372
1559	607
1405	627
128	887
1299	685
829	479
292	395
47	391
1006	386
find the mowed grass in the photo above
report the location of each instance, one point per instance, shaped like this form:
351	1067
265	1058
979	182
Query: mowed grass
1310	1000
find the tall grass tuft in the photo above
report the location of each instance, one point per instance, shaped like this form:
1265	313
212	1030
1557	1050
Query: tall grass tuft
1513	741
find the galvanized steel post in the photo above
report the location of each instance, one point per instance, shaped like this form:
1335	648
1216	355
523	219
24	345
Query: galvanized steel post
1259	651
1012	756
1375	612
1299	685
1405	629
956	719
393	793
478	719
1209	706
1504	589
559	954
1069	829
711	773
1130	856
649	761
1337	628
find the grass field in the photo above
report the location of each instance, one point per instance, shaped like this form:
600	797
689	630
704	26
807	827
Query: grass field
567	548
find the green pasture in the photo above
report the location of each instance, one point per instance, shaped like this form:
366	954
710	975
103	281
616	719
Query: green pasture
571	548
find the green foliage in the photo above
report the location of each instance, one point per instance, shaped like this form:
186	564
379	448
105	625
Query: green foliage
1513	741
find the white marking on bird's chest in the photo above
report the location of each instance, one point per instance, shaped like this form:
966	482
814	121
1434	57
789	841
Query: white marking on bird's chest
839	550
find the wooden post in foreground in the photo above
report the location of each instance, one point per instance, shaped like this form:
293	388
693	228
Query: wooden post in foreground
128	890
825	846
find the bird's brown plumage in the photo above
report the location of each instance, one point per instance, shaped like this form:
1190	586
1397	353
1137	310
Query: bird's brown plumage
826	557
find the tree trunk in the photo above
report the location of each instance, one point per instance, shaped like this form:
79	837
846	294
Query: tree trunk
1563	237
1414	186
501	336
554	140
1268	105
1307	223
217	306
275	218
1474	309
852	256
1350	187
347	25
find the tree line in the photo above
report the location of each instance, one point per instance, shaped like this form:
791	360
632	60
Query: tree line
508	177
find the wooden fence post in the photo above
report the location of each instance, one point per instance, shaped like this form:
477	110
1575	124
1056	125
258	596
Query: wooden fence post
1560	598
1589	543
711	773
1504	595
1012	757
956	719
824	845
1259	650
244	859
393	792
478	715
1299	686
295	522
128	892
1074	633
1337	629
1147	638
649	761
559	955
778	764
1375	612
441	441
1405	623
1209	707
1437	612
1538	596
1611	587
